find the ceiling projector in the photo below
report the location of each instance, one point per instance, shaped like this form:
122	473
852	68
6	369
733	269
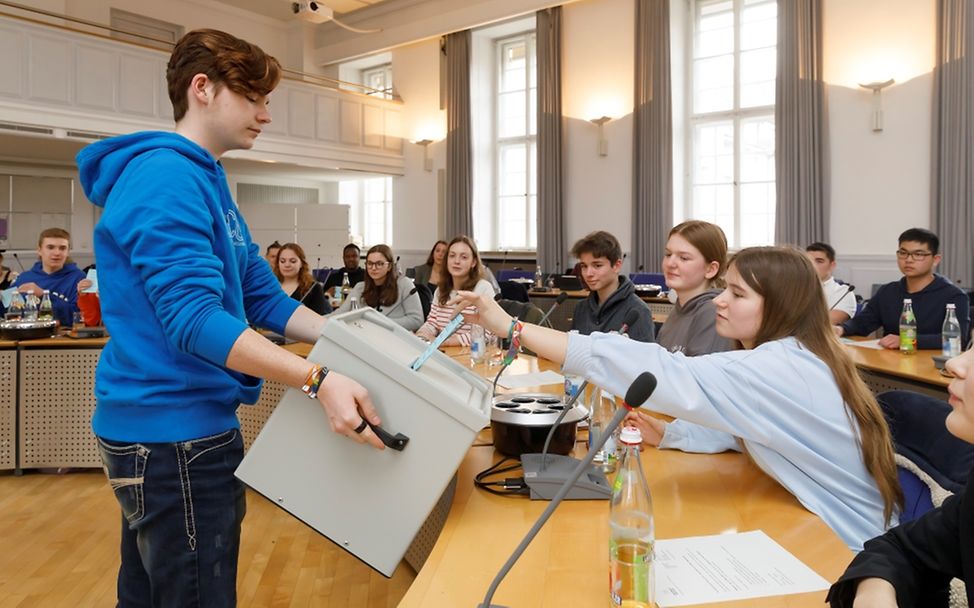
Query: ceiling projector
313	12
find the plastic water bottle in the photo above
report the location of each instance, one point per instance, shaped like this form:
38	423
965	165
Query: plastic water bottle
950	334
30	307
632	534
478	344
353	303
908	329
45	312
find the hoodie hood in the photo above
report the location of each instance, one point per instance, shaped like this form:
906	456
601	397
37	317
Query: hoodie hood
102	163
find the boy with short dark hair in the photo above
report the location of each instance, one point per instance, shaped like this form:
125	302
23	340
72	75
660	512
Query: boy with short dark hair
179	279
838	297
351	258
55	273
917	256
612	295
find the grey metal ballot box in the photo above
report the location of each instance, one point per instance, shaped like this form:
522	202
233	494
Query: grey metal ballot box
370	502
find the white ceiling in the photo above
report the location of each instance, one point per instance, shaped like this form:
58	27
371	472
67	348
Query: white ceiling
281	9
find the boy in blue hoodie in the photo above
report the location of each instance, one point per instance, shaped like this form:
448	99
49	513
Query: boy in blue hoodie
54	273
179	279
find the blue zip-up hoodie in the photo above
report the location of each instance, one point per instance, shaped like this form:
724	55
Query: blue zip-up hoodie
178	277
63	285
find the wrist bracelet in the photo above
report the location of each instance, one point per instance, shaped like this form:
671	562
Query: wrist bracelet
515	337
313	381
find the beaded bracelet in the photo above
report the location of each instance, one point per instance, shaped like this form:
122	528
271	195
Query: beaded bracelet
514	336
313	381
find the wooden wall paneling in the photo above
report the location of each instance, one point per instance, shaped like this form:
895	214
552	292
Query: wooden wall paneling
327	117
13	71
351	121
301	114
373	126
138	81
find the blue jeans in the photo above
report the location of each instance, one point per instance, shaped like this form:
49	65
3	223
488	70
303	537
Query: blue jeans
181	514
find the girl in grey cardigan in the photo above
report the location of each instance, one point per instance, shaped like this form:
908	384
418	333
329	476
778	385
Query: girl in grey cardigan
386	292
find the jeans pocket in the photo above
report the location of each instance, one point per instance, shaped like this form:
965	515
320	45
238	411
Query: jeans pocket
124	466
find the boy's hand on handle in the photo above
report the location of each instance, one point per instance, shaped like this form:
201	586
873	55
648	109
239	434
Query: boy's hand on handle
489	313
347	405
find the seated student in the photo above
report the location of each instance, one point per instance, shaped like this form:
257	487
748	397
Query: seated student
271	254
792	398
55	273
839	299
295	276
385	292
612	294
355	273
7	276
917	258
912	564
463	268
433	271
693	264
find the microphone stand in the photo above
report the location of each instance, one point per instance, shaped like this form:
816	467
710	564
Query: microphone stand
848	289
558	302
565	489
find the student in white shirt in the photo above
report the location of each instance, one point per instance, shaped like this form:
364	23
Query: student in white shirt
792	398
839	299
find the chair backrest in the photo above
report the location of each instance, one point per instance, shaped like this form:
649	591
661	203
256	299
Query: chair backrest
512	290
321	274
524	311
425	298
919	434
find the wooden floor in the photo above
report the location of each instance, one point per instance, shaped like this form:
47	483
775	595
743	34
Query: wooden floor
59	547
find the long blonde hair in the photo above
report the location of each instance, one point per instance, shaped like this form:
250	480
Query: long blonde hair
794	307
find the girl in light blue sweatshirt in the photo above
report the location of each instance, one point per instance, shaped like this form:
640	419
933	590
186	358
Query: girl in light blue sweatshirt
792	399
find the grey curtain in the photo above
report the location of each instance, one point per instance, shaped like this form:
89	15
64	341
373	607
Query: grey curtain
551	230
952	180
801	127
652	137
459	161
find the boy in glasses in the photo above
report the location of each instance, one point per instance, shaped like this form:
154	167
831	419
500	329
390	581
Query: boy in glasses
917	256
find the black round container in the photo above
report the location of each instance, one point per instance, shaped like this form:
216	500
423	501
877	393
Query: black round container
520	424
18	329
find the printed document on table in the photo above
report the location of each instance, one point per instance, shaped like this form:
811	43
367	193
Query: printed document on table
724	567
862	343
533	379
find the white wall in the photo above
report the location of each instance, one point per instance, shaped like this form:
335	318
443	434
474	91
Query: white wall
597	80
880	181
416	77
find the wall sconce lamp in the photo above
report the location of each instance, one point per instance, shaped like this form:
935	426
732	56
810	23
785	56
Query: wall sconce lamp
427	161
603	146
877	89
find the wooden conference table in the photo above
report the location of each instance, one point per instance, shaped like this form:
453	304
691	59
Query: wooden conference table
885	370
567	564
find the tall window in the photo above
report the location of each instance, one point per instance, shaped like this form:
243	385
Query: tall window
380	79
732	118
370	214
516	208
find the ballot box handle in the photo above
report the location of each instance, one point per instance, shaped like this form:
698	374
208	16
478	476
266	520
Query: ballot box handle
396	442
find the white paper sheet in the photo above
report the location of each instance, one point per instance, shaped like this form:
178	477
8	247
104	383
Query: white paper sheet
533	379
874	344
724	567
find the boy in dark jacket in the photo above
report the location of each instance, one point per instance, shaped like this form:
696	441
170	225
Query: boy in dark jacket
612	295
917	256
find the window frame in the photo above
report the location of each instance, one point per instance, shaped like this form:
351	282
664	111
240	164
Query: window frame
736	116
386	70
528	139
359	209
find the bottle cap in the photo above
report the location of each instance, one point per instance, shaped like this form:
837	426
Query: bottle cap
907	301
630	436
951	305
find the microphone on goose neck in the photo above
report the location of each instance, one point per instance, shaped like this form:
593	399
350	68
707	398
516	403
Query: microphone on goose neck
401	302
848	289
558	302
631	318
637	394
19	263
